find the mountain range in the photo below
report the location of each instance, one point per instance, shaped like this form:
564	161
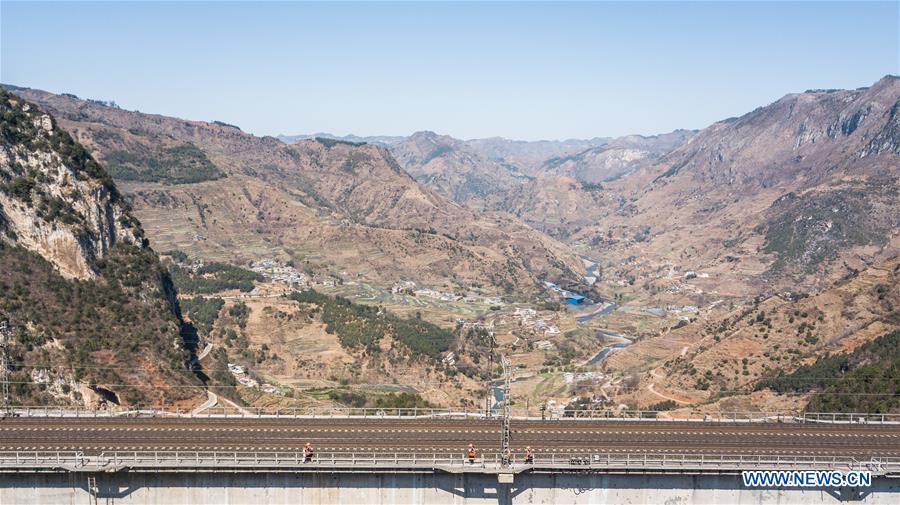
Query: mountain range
342	206
798	191
791	208
783	193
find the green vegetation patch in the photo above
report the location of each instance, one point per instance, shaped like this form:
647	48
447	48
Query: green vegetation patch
591	187
213	278
676	167
227	125
402	401
329	142
362	326
559	160
21	187
865	380
357	399
663	405
806	231
179	256
101	326
181	164
241	313
436	152
203	312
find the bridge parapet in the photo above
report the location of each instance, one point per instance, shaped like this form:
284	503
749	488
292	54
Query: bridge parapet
600	462
436	413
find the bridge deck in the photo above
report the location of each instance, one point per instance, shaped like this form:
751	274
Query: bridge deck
94	436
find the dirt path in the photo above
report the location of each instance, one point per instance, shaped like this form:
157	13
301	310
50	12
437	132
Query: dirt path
664	397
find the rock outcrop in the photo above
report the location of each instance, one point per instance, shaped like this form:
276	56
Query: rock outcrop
54	199
91	313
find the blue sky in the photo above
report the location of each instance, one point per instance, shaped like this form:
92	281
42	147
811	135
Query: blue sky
519	70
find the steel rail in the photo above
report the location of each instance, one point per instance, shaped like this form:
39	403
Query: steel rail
95	435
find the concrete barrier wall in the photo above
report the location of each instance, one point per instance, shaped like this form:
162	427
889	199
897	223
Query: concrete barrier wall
305	489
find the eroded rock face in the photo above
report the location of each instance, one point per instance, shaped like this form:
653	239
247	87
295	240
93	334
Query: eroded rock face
91	309
54	199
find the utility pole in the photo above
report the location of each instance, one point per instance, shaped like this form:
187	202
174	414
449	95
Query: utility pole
5	341
490	384
506	432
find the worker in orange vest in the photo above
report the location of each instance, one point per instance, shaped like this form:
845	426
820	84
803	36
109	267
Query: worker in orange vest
529	455
308	452
471	453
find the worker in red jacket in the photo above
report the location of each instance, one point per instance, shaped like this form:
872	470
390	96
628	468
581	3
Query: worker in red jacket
471	453
529	456
308	452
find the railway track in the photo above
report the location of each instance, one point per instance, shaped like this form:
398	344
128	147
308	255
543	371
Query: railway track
93	436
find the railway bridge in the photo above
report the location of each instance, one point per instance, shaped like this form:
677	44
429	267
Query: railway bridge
144	456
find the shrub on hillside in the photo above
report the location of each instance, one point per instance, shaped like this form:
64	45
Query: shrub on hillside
213	278
363	326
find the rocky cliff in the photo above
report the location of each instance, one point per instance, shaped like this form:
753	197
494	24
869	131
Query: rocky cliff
92	312
55	199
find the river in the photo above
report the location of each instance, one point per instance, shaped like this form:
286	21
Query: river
592	269
497	390
598	309
594	310
620	342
